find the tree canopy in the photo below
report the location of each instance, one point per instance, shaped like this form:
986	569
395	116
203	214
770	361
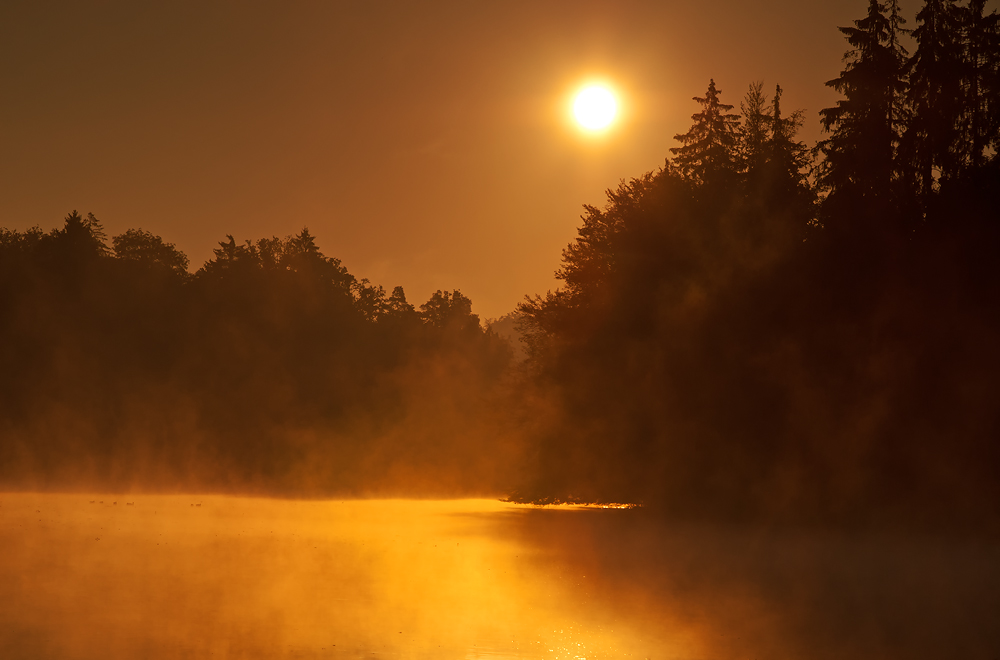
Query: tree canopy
707	151
756	329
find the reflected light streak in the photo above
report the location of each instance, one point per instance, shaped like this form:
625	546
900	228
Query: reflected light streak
83	577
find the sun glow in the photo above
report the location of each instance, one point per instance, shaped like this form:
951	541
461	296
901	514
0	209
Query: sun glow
595	107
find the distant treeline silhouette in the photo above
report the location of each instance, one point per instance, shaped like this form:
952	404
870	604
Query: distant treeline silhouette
760	328
269	368
756	329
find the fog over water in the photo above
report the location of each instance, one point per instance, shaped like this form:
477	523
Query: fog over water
168	576
299	412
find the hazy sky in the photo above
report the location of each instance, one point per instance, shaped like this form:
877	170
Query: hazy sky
424	143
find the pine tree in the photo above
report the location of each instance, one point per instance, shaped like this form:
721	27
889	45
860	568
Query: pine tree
864	127
81	243
935	97
981	82
771	159
709	149
754	131
900	112
787	156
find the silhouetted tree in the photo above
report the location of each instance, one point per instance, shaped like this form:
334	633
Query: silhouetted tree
981	80
150	250
397	309
700	352
449	310
591	261
708	153
755	130
865	126
932	140
230	256
79	243
13	241
271	363
370	299
774	162
300	254
788	157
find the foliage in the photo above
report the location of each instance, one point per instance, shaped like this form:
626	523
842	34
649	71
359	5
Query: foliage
149	250
715	351
981	80
756	329
932	138
708	148
755	129
270	367
865	126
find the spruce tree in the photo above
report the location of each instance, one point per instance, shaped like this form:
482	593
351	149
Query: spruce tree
981	80
932	141
771	159
708	153
864	126
754	131
788	157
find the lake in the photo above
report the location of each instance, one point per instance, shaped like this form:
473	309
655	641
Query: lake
206	576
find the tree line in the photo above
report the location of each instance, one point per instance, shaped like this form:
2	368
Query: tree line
761	328
269	367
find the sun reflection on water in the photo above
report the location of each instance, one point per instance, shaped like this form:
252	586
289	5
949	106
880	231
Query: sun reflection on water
104	576
211	576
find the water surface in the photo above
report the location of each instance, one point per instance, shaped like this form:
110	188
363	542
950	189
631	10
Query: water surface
184	576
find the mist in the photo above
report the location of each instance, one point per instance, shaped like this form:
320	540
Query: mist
269	370
756	416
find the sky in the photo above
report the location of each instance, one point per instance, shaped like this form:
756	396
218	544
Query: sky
425	144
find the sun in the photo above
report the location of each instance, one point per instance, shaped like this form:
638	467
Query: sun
595	107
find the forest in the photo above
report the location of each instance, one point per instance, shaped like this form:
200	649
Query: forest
271	368
759	329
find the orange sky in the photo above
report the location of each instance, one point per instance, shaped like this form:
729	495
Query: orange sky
424	144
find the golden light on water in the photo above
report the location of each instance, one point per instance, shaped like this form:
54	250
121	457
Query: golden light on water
595	107
98	576
88	577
